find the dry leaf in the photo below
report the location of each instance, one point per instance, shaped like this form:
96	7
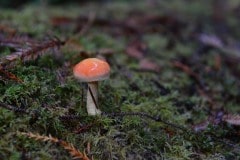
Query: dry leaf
73	45
201	126
232	119
147	64
211	40
136	49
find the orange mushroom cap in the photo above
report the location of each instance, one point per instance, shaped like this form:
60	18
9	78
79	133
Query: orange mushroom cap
91	69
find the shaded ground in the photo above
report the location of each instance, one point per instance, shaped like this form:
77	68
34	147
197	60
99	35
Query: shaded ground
174	91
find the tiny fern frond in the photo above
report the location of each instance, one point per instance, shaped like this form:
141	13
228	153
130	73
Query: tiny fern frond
30	52
74	152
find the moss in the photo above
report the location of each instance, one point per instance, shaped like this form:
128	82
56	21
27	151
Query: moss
49	89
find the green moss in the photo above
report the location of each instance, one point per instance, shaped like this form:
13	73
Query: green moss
49	90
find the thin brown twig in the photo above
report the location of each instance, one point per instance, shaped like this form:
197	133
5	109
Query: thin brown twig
188	71
201	87
144	115
85	28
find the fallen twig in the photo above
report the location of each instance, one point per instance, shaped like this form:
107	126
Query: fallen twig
188	71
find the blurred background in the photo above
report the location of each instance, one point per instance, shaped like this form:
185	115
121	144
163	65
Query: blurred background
14	3
174	59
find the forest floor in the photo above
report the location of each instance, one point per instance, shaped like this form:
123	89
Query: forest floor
173	92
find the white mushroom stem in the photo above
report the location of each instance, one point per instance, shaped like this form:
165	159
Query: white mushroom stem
92	103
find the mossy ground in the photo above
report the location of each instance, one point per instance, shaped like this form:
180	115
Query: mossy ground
50	89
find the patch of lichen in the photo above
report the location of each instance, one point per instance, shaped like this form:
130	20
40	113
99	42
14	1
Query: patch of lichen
128	90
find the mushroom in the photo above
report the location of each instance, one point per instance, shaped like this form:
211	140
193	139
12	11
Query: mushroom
92	70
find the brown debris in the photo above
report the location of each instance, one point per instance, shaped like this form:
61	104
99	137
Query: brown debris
83	128
201	126
134	24
147	64
61	20
25	48
186	69
10	75
30	52
136	49
232	119
201	87
217	62
73	45
8	30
